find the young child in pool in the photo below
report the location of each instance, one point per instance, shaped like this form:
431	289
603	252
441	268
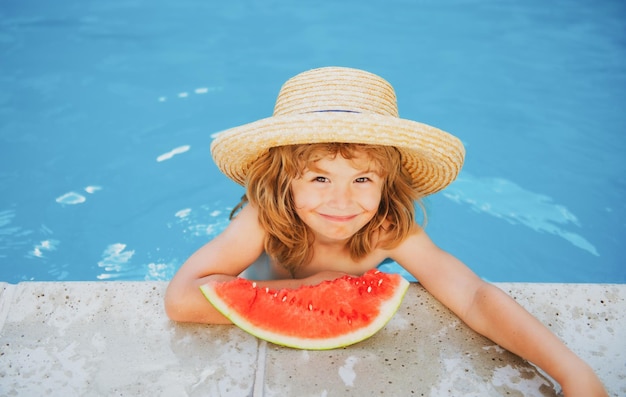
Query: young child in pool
331	181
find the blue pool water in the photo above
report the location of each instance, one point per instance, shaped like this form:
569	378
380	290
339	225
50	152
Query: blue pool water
107	109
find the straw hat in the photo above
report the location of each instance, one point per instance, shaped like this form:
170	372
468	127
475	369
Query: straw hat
335	104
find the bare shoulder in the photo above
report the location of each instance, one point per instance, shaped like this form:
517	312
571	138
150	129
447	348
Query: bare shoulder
239	245
421	257
416	245
447	278
245	226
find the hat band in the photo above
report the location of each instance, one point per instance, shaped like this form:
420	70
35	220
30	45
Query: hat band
333	110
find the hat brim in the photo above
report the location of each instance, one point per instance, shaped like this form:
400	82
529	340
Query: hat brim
432	157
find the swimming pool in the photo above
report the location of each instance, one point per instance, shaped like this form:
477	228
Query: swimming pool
107	111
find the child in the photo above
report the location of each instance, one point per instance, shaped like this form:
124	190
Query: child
331	181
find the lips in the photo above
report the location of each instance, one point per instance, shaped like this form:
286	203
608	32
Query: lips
338	218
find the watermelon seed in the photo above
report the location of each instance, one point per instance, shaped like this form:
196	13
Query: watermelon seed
380	282
253	285
369	289
310	307
284	298
267	290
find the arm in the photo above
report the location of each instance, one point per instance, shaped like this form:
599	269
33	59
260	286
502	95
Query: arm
497	316
223	258
492	313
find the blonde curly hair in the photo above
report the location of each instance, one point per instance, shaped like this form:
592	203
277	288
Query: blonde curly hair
289	240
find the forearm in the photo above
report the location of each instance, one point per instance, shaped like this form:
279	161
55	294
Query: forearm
184	302
498	317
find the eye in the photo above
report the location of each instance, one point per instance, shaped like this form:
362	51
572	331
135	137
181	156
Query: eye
362	179
320	179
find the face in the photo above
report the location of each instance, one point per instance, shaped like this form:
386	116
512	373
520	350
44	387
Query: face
336	197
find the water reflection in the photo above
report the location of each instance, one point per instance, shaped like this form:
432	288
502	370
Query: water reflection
508	201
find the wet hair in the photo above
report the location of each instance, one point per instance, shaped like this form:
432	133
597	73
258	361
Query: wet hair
289	240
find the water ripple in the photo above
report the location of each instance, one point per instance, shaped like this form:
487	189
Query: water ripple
506	200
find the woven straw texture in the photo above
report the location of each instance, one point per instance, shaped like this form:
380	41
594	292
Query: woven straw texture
342	105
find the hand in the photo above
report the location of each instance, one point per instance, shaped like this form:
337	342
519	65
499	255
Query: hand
584	383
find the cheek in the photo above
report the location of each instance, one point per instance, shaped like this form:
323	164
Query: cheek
371	202
300	201
369	198
302	198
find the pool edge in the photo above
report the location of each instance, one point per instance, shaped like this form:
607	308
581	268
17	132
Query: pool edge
113	337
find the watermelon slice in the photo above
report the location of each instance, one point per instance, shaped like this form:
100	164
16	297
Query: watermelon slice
329	315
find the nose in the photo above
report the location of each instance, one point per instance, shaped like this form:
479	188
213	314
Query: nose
340	197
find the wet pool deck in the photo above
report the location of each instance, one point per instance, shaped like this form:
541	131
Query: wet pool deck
113	339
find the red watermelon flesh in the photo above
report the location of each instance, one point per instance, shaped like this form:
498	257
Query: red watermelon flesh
325	316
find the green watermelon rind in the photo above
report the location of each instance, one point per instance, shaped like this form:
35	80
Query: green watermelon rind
387	310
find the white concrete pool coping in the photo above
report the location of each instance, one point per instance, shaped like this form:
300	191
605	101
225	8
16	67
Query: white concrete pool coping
113	338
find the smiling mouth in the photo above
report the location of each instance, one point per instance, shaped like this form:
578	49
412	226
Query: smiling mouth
338	218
